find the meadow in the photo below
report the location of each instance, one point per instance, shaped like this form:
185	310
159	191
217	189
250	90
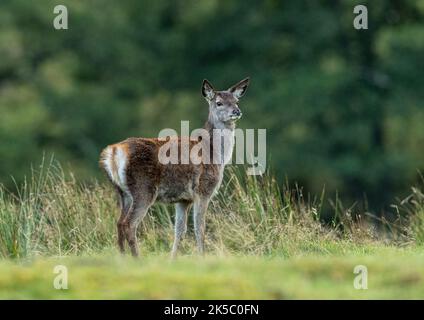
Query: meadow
261	241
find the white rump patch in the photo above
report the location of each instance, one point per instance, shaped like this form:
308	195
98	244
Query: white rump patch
121	164
115	166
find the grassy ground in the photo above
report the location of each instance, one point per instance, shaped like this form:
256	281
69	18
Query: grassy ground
262	242
392	274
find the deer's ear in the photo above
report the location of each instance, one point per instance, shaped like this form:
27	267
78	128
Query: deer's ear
207	90
239	88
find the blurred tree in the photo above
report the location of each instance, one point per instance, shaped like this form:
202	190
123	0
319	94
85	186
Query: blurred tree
343	107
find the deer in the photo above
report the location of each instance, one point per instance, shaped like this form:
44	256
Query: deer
140	179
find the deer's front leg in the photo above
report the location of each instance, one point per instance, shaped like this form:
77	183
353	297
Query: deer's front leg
181	212
200	207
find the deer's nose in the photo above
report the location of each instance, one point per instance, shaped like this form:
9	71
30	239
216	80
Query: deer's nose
237	112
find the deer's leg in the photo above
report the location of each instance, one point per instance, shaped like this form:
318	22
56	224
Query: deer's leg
125	203
181	212
200	207
132	220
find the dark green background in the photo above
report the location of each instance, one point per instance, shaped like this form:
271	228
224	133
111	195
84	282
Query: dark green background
343	108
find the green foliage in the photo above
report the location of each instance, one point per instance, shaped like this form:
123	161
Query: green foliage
343	107
411	215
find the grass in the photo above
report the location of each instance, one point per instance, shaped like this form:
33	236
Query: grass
392	274
262	242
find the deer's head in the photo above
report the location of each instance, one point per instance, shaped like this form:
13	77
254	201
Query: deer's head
223	105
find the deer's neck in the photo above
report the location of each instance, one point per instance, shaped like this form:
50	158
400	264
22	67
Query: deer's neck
221	141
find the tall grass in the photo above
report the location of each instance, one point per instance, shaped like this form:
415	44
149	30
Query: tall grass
53	214
411	216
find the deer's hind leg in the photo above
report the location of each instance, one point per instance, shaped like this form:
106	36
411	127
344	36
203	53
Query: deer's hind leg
125	204
137	212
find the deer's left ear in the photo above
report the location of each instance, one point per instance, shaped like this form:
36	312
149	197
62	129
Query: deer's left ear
239	89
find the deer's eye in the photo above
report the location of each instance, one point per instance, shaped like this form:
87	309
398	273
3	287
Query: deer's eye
219	103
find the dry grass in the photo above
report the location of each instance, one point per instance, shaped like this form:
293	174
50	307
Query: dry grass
53	214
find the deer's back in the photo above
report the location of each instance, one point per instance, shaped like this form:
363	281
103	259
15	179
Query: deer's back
133	166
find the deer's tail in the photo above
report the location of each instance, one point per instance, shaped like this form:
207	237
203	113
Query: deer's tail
114	160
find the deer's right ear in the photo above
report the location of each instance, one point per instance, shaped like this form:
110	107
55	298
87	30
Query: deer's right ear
207	90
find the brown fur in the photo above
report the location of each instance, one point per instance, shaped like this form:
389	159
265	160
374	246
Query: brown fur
169	183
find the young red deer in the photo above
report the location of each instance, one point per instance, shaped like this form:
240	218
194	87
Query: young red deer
140	178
